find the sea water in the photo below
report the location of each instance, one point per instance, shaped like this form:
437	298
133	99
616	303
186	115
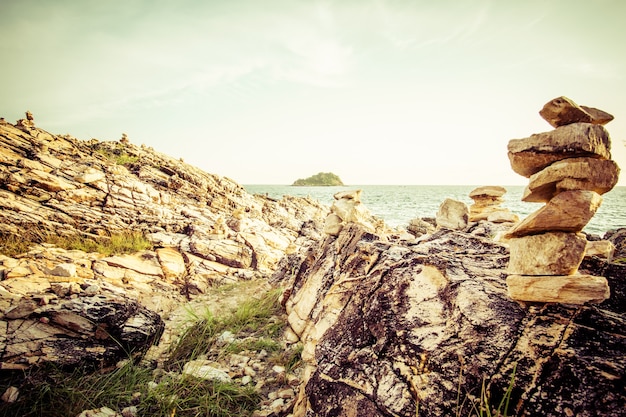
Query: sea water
397	205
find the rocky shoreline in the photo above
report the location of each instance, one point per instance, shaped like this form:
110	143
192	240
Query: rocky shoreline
390	322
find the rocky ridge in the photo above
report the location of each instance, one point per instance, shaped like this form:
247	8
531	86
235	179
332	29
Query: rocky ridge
204	230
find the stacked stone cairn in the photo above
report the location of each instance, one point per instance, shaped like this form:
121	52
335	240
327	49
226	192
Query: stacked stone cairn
568	169
486	205
347	208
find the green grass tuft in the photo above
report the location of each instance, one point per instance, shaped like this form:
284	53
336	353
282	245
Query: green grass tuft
115	244
53	393
254	317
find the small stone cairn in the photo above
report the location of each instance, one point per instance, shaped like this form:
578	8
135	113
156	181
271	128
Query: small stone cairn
568	169
347	208
486	206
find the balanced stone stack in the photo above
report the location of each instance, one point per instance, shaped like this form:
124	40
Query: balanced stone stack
568	169
347	208
486	205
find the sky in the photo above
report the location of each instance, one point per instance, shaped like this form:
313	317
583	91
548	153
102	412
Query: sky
266	92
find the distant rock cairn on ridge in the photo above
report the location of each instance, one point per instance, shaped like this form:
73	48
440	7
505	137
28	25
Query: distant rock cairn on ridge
568	169
486	206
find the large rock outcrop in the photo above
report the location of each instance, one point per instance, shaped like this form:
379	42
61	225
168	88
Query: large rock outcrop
400	329
204	229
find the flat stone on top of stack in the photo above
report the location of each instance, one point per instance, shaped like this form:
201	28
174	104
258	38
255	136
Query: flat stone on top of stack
568	169
486	205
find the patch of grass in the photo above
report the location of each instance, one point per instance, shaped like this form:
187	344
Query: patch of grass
195	341
120	243
53	393
254	314
12	245
125	159
289	358
253	317
483	406
117	156
115	244
189	396
619	261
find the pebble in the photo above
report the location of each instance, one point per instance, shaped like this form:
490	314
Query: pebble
277	405
226	337
239	360
278	369
249	371
129	411
286	393
10	395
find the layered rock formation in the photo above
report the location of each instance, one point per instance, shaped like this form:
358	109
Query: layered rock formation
204	229
568	169
405	329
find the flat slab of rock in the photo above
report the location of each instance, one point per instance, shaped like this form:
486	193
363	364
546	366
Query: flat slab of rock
553	253
487	191
569	211
571	289
591	174
532	154
563	111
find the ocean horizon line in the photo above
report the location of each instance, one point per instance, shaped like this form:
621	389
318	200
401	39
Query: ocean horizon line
395	185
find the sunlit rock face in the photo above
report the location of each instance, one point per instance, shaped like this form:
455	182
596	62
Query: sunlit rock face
391	328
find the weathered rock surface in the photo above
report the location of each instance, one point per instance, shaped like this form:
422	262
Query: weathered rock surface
569	211
390	329
99	330
590	174
563	111
569	289
419	227
204	229
550	253
530	155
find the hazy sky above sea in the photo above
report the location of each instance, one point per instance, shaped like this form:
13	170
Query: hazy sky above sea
376	91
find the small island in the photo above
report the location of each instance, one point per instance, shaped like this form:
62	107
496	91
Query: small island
320	179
